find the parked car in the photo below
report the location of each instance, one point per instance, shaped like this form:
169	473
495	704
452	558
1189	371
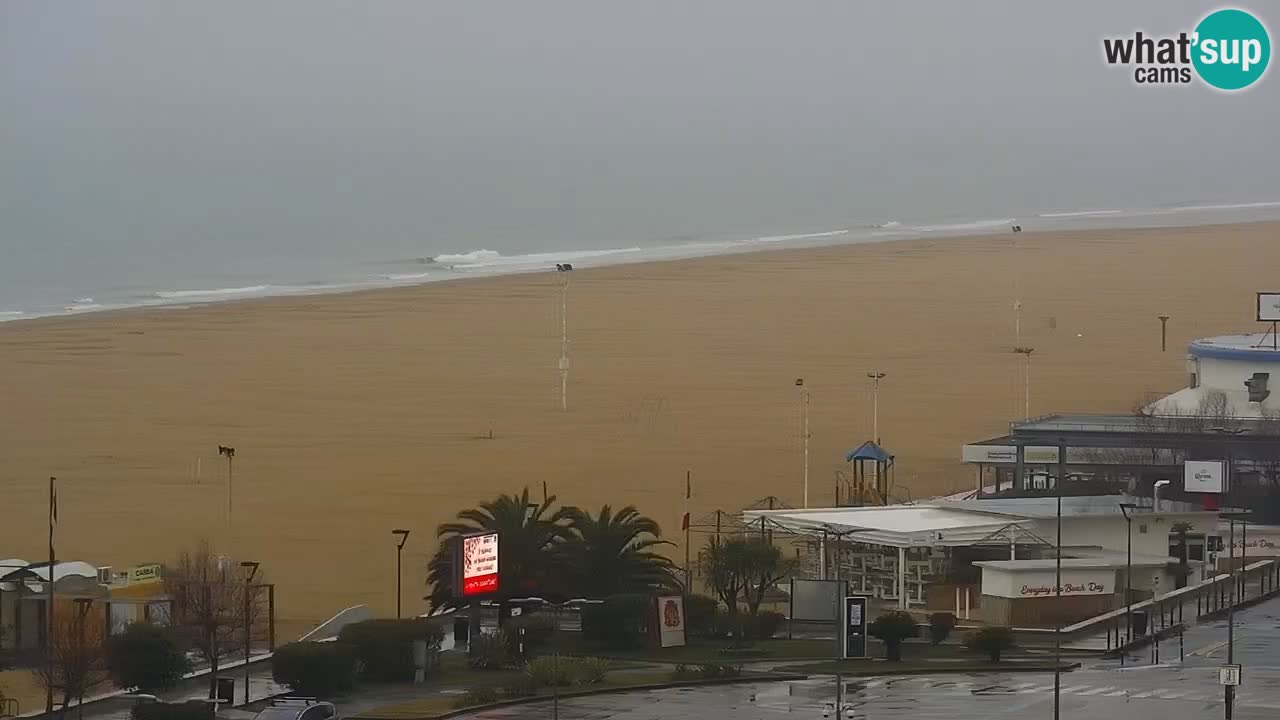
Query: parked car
298	708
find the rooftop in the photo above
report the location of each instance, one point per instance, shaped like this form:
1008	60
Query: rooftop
1256	347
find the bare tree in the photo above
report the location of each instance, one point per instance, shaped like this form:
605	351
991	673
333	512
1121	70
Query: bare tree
210	598
79	662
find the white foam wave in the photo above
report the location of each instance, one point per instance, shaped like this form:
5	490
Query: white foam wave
1231	206
85	301
11	313
961	227
82	306
1081	213
887	225
406	276
483	259
802	236
218	292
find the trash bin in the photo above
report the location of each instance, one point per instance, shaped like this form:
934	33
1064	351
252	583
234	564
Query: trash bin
226	691
1140	620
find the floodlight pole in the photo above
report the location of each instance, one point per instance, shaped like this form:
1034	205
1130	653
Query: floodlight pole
564	339
252	567
1057	588
230	452
875	376
1164	321
1026	388
1128	574
804	414
1229	691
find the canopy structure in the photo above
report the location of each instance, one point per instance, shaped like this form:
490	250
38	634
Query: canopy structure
898	526
869	451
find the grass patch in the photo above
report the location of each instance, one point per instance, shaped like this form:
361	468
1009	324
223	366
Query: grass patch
706	651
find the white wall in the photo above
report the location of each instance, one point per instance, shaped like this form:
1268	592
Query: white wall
1111	533
1010	583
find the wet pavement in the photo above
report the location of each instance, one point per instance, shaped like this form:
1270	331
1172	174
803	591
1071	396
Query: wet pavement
1172	689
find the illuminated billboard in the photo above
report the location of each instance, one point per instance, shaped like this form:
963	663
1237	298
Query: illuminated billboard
479	565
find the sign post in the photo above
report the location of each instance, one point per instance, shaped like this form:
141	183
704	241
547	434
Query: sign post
1229	675
671	628
855	626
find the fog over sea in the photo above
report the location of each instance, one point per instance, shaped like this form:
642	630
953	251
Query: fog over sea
171	154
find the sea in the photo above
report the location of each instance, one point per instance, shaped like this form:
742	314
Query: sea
63	283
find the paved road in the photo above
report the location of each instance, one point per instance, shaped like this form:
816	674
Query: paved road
1171	690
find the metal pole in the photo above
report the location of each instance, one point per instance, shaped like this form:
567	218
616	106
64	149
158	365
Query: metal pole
875	410
230	477
564	344
248	634
1229	694
688	491
555	668
805	405
1057	589
48	638
399	551
1164	319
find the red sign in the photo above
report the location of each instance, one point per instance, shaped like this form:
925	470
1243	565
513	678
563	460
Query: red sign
480	565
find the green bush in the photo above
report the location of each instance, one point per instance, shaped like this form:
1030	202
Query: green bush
189	710
767	624
318	669
563	671
539	629
891	629
385	647
520	687
992	641
940	626
710	671
477	696
619	623
700	614
591	670
145	657
489	651
683	672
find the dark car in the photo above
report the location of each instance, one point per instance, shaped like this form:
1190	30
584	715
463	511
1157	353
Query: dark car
298	708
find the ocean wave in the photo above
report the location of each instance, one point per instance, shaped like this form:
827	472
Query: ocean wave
82	306
974	225
1227	206
481	259
887	225
802	236
397	277
218	292
1080	213
84	301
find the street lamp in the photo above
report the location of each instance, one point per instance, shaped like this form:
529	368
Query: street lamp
1164	325
1125	508
1229	691
404	538
804	413
1026	387
875	376
555	658
1155	494
252	568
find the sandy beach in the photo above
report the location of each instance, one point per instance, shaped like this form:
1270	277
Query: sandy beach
355	414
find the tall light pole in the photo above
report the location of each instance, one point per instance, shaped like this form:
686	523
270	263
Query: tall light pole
565	271
1125	509
1155	494
49	613
1164	322
804	429
252	568
875	376
404	538
1229	691
230	452
1026	387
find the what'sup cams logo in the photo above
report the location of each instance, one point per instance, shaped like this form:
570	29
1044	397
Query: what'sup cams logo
1229	49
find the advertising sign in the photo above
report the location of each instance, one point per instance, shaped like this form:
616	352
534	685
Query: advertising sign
144	573
1041	583
1203	476
855	627
671	621
1002	454
479	562
1269	307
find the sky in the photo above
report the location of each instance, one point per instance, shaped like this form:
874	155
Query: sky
189	132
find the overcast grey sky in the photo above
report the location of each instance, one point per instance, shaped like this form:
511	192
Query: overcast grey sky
316	125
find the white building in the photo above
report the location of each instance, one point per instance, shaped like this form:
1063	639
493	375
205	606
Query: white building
1228	376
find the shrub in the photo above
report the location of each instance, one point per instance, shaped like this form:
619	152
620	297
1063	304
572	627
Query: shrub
562	671
768	623
385	647
619	623
189	710
700	613
522	686
319	669
591	671
993	641
891	629
710	671
145	657
940	626
538	629
683	672
477	696
489	651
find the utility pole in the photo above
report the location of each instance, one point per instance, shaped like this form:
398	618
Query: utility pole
875	376
565	270
1026	387
804	415
48	638
252	568
230	452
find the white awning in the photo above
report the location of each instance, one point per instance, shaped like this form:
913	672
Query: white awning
894	525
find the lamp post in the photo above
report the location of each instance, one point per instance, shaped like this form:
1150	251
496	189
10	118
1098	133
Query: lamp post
1026	386
404	537
1155	494
555	658
1229	691
1164	323
230	453
564	269
1057	587
804	415
1125	509
875	376
252	568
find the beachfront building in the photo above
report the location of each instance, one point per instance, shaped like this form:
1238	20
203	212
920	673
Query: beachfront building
994	560
112	598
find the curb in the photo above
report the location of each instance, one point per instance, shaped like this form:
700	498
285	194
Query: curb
770	677
981	669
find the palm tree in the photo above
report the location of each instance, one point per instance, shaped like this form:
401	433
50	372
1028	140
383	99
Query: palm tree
613	553
529	540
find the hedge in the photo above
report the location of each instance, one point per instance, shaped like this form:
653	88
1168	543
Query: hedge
189	710
385	647
619	623
319	669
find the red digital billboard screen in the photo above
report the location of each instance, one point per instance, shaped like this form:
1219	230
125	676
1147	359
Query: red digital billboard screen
479	565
